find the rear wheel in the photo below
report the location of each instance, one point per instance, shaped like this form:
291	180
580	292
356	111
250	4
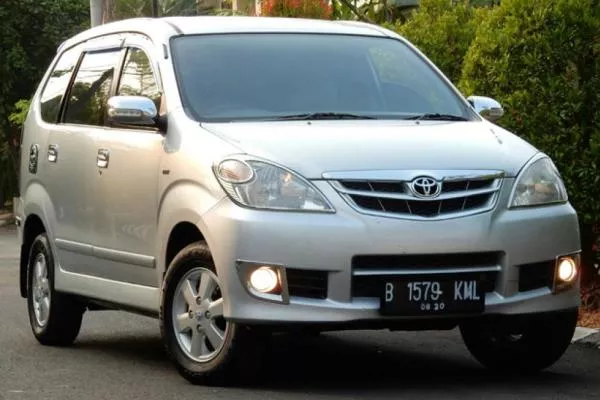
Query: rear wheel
55	318
528	344
204	346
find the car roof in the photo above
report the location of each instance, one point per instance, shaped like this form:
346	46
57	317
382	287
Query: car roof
215	24
165	27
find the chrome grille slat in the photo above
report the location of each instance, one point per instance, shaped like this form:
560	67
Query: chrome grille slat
465	199
384	195
461	194
378	199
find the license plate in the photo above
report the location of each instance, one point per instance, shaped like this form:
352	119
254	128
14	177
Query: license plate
427	296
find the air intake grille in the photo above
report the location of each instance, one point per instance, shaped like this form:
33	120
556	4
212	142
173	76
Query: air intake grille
536	276
307	283
447	197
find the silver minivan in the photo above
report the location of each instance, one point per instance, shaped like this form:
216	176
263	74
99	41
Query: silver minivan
239	176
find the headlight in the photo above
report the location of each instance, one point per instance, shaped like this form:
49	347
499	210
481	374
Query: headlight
258	184
539	184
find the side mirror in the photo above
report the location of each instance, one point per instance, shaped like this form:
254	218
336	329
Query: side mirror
487	107
132	110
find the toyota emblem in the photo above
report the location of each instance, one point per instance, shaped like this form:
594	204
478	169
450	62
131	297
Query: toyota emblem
425	186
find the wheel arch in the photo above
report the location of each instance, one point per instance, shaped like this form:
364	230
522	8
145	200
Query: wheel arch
180	221
32	227
38	217
182	235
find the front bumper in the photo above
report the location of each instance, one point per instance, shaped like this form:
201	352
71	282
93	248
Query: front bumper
329	242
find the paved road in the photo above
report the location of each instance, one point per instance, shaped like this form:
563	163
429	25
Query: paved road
119	356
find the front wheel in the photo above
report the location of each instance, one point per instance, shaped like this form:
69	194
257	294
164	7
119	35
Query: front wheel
204	346
520	345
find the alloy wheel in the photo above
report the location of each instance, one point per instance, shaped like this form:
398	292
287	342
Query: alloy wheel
41	291
197	313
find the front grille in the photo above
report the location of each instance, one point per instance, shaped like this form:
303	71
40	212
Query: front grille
373	285
536	276
369	271
456	196
306	283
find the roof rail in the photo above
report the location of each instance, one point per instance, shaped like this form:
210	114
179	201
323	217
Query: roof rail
60	46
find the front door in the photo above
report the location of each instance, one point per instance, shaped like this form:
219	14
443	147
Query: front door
127	179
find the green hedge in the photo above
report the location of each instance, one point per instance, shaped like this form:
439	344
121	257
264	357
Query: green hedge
541	60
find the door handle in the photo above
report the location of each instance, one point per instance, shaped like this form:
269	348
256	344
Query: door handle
52	153
102	158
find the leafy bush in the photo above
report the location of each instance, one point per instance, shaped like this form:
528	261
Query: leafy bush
541	59
317	9
443	32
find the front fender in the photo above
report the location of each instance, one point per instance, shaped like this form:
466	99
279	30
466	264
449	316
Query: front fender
184	201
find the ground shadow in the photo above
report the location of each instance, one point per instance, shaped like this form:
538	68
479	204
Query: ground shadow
330	363
334	364
141	349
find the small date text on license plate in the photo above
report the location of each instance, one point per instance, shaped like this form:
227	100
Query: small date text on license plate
432	296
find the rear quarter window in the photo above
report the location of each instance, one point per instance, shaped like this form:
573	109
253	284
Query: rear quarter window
57	83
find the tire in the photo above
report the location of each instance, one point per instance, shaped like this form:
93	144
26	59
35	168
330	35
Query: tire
524	345
234	359
55	318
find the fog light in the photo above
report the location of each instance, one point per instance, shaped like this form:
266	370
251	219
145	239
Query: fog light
567	269
264	279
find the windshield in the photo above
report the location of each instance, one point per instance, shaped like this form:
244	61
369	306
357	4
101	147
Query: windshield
264	76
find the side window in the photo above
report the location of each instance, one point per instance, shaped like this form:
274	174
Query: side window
137	78
89	93
57	84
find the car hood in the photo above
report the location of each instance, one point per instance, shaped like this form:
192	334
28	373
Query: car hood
313	148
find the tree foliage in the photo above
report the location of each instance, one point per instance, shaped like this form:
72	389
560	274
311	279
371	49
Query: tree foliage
122	9
540	59
372	11
30	33
443	31
316	9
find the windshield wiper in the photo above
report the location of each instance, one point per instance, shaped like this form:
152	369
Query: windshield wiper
437	117
322	115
